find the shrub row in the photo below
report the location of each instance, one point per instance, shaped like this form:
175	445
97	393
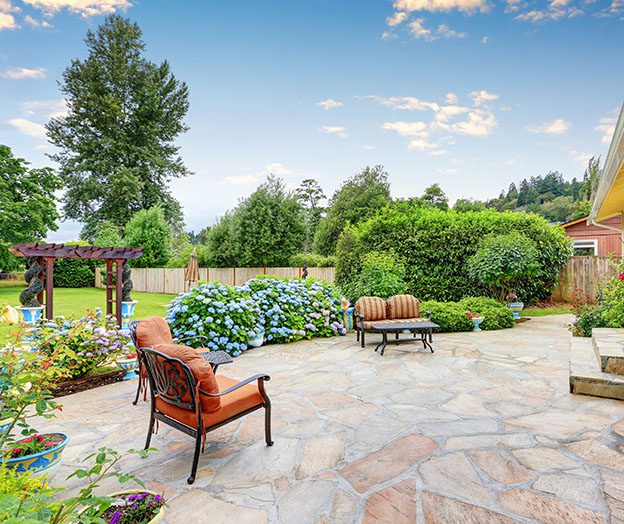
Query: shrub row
452	317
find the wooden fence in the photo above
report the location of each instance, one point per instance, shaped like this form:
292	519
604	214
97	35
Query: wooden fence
585	274
171	280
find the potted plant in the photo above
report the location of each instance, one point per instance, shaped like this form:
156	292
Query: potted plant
35	453
128	363
127	304
476	320
135	506
31	308
514	304
257	339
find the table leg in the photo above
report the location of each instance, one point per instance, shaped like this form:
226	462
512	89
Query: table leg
384	342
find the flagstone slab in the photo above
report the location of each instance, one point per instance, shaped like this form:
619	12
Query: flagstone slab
306	501
438	509
547	509
322	452
198	505
501	468
454	474
597	453
467	405
574	489
396	504
388	462
559	423
505	440
545	459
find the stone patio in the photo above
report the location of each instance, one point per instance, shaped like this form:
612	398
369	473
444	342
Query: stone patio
483	430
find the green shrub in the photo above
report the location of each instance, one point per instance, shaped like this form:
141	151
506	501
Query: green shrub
382	275
74	272
498	317
149	229
312	260
590	317
609	312
435	246
450	316
476	304
502	263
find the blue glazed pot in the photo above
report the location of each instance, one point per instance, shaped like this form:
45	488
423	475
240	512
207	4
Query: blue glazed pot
129	365
258	340
30	315
347	318
516	307
476	321
127	312
39	461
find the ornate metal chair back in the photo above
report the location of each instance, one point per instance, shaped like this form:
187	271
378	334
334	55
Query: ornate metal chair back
132	327
170	379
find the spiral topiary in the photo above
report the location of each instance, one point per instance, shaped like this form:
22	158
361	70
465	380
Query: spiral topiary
28	297
126	284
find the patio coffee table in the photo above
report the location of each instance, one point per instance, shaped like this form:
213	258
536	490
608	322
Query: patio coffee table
423	328
216	358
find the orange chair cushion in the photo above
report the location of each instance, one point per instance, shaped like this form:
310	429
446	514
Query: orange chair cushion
202	371
232	404
152	331
403	306
373	308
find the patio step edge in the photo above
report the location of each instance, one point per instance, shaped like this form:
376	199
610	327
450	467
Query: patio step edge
608	346
586	377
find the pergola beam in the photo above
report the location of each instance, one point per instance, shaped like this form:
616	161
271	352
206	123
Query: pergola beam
87	252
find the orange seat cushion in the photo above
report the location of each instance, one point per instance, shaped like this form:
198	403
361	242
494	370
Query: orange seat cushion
403	306
152	331
232	404
373	308
202	372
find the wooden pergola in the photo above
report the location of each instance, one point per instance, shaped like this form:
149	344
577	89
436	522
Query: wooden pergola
46	254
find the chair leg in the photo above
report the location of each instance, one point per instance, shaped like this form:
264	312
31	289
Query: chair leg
149	431
136	399
198	440
357	335
363	341
267	423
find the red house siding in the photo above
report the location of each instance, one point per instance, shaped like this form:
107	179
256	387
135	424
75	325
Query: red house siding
609	241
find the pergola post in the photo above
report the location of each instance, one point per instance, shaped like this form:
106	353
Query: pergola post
109	287
49	287
118	284
40	261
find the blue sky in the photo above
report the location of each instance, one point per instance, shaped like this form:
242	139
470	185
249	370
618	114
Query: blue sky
473	94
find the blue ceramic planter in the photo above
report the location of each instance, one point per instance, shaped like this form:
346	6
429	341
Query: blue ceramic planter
476	322
258	340
347	318
30	315
127	312
516	307
129	365
39	461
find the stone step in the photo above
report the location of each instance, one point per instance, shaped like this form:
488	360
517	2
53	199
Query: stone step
586	378
609	348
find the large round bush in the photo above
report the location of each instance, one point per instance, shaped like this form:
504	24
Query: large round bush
294	309
221	317
450	316
382	275
435	246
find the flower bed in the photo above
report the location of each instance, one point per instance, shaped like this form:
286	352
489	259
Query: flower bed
229	317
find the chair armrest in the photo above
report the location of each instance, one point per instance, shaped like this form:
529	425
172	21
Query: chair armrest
260	378
428	313
183	339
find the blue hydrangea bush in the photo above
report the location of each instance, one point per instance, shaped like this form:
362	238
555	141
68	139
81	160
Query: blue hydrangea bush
284	310
219	316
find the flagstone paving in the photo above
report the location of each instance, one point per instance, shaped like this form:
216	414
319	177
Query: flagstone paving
482	431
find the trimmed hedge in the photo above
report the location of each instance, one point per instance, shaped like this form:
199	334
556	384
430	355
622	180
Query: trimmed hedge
71	272
435	246
451	316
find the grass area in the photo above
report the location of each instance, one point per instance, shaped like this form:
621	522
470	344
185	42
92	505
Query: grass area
556	309
71	302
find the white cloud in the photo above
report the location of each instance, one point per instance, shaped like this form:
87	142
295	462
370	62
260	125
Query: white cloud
482	97
451	98
33	22
19	73
485	40
276	168
405	102
28	127
407	128
418	30
84	8
580	157
477	123
557	127
335	130
606	126
446	32
467	6
7	7
396	19
242	180
7	21
421	144
438	152
54	108
330	103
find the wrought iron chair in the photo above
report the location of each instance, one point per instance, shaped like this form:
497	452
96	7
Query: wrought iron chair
176	400
214	358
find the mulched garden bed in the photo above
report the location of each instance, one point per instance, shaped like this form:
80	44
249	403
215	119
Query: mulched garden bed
83	384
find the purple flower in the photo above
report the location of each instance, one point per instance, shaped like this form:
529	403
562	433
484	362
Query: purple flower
116	517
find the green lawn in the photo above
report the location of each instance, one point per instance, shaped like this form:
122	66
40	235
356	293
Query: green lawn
557	309
75	302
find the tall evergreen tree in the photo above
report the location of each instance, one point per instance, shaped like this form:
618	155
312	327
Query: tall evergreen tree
310	195
117	153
